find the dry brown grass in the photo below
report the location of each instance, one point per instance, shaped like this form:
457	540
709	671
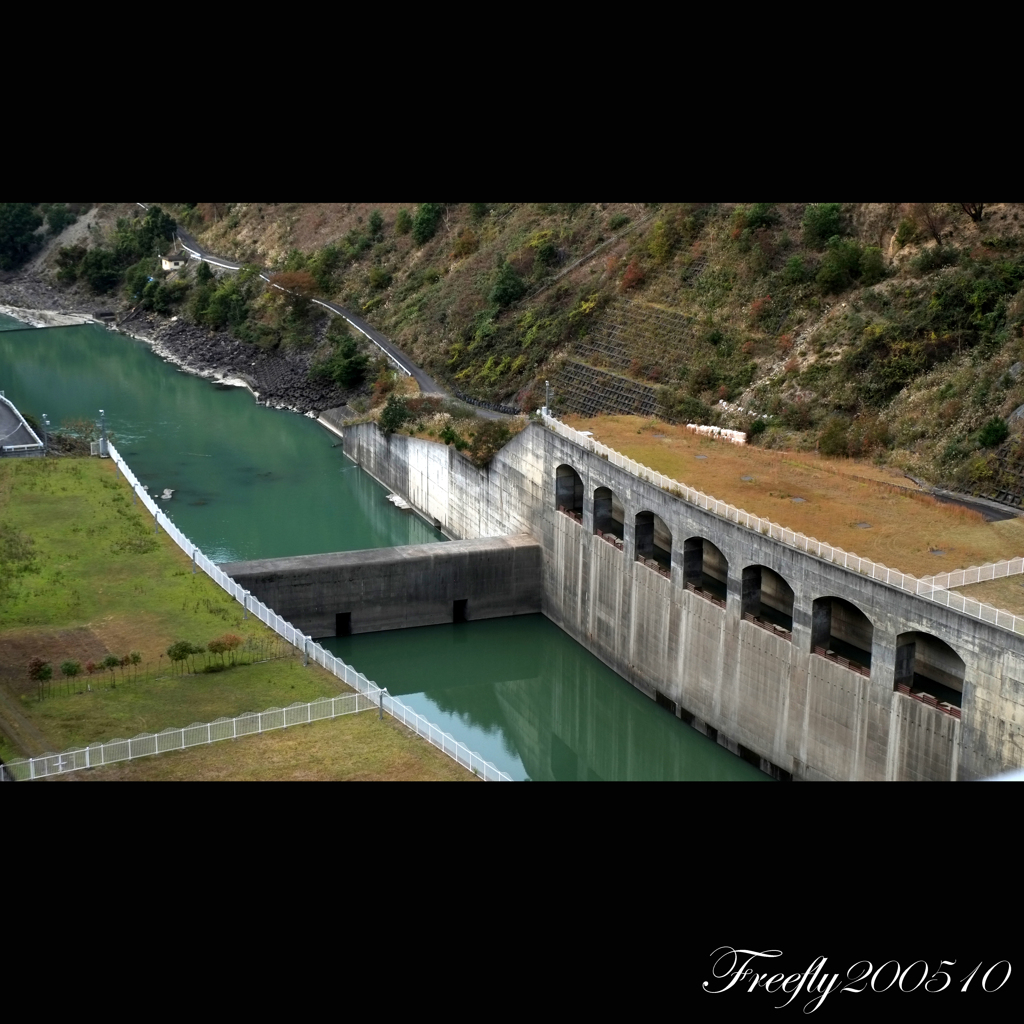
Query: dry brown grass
905	528
355	748
1007	593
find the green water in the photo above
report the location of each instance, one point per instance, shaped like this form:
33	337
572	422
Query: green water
525	696
248	481
251	482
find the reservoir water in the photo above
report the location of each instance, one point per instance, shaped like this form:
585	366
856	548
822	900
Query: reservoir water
251	482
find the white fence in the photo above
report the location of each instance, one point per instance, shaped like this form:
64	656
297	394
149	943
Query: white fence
140	746
194	735
933	588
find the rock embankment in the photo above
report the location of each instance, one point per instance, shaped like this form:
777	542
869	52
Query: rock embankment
278	379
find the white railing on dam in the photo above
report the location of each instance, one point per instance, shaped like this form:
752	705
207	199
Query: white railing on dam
934	588
147	744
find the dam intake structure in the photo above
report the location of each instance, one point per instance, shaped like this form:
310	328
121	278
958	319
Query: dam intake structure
805	659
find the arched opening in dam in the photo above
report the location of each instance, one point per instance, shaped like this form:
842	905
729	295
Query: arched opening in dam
841	632
653	541
609	515
705	569
569	492
767	599
929	668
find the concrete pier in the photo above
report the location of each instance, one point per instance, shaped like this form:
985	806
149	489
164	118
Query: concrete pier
395	588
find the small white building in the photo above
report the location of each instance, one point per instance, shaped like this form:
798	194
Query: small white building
174	261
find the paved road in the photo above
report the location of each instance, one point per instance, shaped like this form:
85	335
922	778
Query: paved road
426	383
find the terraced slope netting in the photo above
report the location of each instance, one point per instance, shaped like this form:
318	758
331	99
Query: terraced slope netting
643	340
578	388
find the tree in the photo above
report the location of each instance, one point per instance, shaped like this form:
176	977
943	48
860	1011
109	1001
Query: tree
58	217
508	286
821	222
203	272
973	210
376	225
393	415
934	217
110	663
18	223
40	671
179	651
403	223
428	217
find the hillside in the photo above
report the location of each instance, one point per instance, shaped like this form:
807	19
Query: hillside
890	331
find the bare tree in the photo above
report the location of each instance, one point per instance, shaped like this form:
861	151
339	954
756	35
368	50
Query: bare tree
973	210
933	217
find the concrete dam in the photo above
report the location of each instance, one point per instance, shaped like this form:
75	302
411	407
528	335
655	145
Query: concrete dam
807	668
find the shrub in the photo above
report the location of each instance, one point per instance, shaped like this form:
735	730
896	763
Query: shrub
934	258
616	221
403	223
834	439
840	267
508	286
761	215
662	241
346	366
994	432
906	232
466	244
633	277
794	272
821	222
379	278
424	227
490	438
393	416
872	266
58	217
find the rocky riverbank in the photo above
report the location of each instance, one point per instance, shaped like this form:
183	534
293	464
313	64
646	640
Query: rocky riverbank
280	380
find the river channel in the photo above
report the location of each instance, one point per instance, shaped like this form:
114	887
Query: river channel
252	482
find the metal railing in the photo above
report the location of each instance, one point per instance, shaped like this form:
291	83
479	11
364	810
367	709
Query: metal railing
379	697
933	588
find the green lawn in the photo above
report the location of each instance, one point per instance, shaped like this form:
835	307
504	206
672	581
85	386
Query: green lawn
85	576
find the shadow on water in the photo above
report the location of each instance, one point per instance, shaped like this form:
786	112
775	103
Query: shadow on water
526	696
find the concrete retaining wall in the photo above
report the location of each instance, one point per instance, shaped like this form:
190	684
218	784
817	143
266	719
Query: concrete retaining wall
808	715
394	588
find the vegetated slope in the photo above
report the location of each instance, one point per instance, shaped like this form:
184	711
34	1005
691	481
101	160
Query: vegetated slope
891	330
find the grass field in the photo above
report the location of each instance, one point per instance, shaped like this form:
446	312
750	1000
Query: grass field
82	575
849	504
354	748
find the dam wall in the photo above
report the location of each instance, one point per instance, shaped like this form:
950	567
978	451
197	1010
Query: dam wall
395	588
788	659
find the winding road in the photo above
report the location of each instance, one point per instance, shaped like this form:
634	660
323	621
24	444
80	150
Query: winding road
401	361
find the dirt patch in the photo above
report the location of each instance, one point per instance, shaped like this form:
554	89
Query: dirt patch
19	647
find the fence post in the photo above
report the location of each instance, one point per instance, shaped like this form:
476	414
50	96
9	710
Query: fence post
193	561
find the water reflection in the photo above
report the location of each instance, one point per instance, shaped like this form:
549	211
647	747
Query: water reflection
526	696
248	482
